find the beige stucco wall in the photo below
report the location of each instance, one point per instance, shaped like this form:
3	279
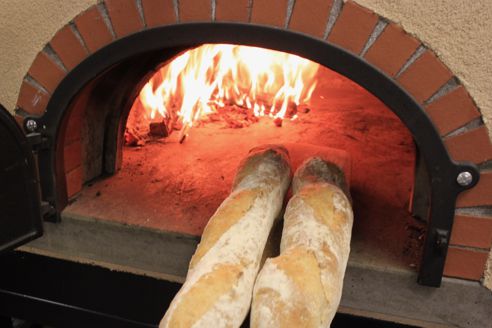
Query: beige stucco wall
25	27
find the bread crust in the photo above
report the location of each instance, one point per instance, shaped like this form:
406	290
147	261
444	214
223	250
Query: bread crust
314	252
218	288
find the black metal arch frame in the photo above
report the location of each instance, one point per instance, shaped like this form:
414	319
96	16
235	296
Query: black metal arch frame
442	171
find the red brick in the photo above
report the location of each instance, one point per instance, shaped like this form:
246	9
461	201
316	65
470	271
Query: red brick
74	128
93	29
473	146
480	195
269	12
472	231
46	72
310	16
465	263
424	77
124	16
72	155
158	12
32	100
68	47
232	11
195	10
392	49
74	181
353	27
452	110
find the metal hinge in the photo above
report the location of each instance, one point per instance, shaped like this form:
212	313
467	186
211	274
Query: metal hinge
38	141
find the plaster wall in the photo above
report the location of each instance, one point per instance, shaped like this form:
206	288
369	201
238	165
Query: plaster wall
25	28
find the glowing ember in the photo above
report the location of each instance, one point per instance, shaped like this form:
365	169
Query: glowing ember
214	76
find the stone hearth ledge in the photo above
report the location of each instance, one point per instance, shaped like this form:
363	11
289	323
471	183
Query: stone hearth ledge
373	287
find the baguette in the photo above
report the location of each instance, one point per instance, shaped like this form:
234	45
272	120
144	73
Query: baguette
218	287
302	286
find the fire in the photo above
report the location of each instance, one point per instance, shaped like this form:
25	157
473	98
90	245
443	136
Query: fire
201	80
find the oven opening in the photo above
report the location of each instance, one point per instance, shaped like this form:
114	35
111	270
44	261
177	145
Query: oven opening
182	127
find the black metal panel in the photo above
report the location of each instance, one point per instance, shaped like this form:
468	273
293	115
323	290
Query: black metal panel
20	207
68	294
441	170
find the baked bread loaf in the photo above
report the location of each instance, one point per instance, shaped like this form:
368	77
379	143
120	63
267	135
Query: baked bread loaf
302	286
218	287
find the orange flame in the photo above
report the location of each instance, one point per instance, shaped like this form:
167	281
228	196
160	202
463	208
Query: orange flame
202	79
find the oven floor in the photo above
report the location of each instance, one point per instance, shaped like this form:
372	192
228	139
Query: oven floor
175	188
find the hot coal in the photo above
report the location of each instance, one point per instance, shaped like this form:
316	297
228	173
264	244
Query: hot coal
278	122
134	138
234	117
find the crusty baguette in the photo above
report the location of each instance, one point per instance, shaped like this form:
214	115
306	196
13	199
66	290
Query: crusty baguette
219	284
302	286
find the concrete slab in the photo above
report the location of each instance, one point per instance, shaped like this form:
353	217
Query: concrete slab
374	286
396	294
135	249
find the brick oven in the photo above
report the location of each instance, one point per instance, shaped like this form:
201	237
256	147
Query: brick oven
99	215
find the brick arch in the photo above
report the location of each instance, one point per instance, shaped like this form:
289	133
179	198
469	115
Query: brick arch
354	28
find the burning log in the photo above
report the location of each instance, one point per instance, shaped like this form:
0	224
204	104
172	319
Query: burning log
307	277
220	279
159	129
133	138
177	125
183	133
305	110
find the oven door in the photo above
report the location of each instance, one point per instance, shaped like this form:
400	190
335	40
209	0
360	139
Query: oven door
20	202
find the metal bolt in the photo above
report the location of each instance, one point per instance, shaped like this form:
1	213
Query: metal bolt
31	125
464	179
